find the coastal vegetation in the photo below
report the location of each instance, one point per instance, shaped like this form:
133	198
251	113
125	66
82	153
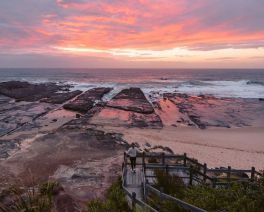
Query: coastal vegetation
238	196
32	199
115	200
245	197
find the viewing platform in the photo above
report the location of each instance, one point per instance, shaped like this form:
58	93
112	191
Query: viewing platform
139	185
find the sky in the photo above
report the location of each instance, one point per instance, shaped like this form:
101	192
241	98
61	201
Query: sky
132	33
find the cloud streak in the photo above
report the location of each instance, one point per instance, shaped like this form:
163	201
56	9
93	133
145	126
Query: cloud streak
157	26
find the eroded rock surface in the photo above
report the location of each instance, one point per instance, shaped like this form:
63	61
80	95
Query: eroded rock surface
7	146
86	101
129	108
131	99
24	91
16	114
208	111
59	98
83	161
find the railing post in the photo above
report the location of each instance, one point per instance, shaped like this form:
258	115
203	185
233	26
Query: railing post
125	159
214	182
146	188
125	169
144	169
125	177
252	173
191	175
163	158
160	196
143	159
167	169
143	190
184	159
204	172
134	201
228	174
161	191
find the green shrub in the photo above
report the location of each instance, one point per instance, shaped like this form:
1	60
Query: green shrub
244	197
115	200
171	184
33	199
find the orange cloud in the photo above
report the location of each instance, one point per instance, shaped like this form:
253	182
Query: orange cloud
135	26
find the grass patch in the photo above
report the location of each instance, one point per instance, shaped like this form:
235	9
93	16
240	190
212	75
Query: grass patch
115	200
33	199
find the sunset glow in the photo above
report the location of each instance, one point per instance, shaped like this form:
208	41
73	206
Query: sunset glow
184	33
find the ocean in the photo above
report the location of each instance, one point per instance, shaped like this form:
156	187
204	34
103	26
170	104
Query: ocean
236	83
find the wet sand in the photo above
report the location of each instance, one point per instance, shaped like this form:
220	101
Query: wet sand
239	148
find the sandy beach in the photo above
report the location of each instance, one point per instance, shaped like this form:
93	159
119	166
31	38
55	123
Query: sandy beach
240	148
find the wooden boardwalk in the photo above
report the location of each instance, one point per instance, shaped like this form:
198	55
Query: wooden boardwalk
134	182
139	186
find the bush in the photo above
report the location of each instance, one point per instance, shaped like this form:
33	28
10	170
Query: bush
244	197
171	184
35	198
115	200
238	197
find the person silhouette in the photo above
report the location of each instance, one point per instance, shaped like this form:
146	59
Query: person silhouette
132	153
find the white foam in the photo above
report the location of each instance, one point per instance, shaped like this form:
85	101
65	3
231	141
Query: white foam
155	90
236	89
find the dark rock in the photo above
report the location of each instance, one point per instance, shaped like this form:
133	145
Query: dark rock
146	121
261	99
255	82
196	119
59	98
24	91
83	120
54	120
163	148
147	144
64	202
78	116
86	101
7	146
132	99
76	176
157	105
57	189
163	78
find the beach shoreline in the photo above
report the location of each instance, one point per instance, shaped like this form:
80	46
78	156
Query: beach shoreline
78	137
240	148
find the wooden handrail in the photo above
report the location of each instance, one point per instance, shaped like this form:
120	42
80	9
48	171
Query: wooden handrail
200	175
132	196
203	167
179	202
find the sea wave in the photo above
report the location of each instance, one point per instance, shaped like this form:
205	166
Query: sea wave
250	82
235	89
155	88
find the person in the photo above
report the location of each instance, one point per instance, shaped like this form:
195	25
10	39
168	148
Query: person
132	153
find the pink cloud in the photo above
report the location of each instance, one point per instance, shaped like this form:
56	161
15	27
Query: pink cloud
139	24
